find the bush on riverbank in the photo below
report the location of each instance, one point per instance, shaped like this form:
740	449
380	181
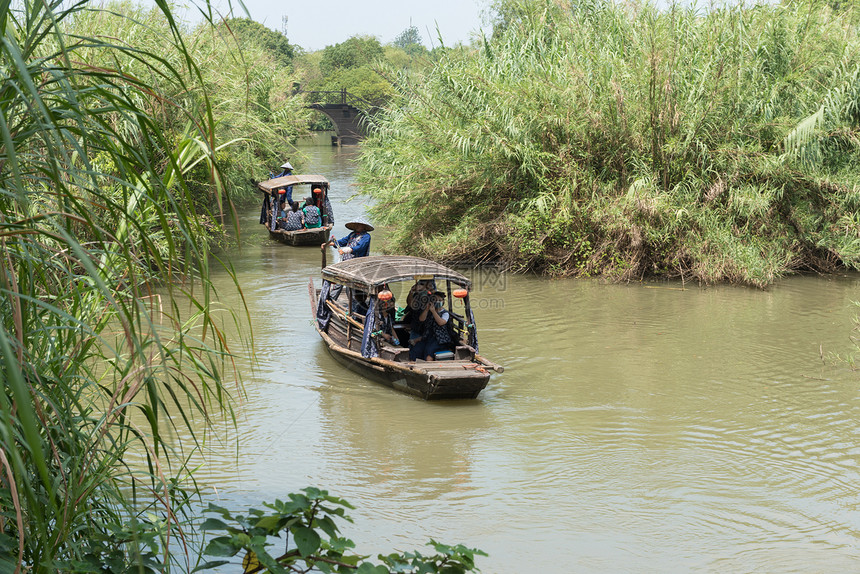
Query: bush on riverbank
624	141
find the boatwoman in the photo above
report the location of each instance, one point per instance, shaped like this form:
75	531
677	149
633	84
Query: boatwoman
287	168
357	243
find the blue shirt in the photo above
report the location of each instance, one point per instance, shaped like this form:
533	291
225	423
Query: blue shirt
289	188
359	243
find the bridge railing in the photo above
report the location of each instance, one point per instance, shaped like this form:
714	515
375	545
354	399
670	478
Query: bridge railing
340	96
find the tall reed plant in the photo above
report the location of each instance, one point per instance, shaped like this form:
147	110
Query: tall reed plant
97	222
628	140
247	86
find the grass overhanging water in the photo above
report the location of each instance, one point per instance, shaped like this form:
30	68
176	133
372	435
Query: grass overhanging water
122	145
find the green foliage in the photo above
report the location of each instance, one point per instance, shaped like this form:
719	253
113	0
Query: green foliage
241	72
100	244
310	518
409	40
408	37
361	66
363	82
250	84
350	65
248	31
110	337
717	146
356	52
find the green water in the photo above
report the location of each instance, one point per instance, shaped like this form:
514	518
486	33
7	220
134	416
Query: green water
637	428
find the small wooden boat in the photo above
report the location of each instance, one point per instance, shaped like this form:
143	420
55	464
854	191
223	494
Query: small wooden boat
354	340
274	189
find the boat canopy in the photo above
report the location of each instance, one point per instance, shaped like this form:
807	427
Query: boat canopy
271	185
371	273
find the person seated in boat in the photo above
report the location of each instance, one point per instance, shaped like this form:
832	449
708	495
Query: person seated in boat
417	298
280	213
434	334
357	243
311	214
293	218
387	308
359	302
323	203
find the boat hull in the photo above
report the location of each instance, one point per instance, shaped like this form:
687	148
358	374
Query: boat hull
463	377
453	380
302	237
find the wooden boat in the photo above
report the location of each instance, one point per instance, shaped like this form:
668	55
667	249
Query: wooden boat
274	188
352	340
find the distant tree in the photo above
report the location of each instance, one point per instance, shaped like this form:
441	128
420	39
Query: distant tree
247	30
409	40
407	37
397	57
353	53
363	82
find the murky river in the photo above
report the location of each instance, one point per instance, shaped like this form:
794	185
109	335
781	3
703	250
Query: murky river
637	428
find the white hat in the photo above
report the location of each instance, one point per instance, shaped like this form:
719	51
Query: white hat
287	165
358	220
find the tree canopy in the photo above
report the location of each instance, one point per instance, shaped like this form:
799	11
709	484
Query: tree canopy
356	52
409	40
248	31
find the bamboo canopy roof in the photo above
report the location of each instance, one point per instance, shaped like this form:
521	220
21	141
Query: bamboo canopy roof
271	185
372	272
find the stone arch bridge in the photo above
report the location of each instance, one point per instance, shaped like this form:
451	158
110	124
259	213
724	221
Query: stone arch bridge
346	114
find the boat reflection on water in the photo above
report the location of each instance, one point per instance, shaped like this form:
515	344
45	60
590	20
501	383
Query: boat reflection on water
391	446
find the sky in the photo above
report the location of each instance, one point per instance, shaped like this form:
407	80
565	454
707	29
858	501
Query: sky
315	24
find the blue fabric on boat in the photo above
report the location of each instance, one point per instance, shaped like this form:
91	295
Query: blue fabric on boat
328	211
357	305
273	223
264	212
323	312
473	330
368	341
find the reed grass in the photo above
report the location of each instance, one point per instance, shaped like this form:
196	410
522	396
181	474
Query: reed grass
627	141
97	221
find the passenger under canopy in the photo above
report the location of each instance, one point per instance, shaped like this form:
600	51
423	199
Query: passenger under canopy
274	191
353	311
375	274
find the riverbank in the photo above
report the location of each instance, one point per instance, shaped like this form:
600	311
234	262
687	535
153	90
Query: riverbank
627	142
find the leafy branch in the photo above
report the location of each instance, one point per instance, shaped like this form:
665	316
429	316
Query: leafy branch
306	516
